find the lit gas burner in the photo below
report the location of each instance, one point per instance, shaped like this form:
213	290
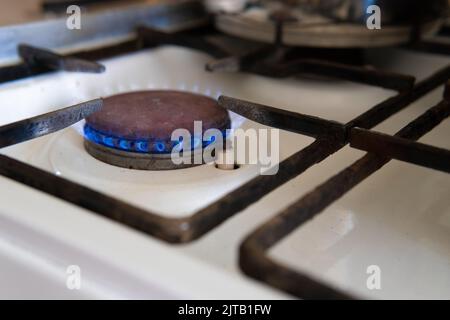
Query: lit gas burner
134	130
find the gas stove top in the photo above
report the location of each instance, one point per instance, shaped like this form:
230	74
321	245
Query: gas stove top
332	213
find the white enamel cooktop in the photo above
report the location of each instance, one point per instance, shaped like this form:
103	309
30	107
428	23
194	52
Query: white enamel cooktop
399	218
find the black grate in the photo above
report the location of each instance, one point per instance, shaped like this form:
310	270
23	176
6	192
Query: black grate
253	251
330	136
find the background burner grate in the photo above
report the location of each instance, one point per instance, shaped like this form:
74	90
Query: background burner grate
330	137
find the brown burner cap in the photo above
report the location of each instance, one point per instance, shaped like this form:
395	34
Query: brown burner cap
156	114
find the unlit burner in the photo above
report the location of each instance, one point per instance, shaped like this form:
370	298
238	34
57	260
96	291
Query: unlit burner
133	130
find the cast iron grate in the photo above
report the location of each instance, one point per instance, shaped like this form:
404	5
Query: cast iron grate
254	260
330	136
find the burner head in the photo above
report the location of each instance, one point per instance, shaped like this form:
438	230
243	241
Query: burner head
133	130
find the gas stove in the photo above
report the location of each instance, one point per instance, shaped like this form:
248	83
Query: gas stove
337	209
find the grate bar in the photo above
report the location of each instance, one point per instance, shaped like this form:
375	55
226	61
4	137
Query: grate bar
152	37
47	123
370	76
433	47
389	107
270	63
253	258
89	199
401	149
40	57
21	71
282	119
73	62
110	51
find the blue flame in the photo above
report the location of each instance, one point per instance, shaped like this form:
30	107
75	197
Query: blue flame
109	141
160	147
124	144
142	146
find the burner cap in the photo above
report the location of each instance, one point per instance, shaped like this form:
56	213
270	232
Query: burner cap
133	130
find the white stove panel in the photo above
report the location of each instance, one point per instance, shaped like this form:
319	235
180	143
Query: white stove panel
48	234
